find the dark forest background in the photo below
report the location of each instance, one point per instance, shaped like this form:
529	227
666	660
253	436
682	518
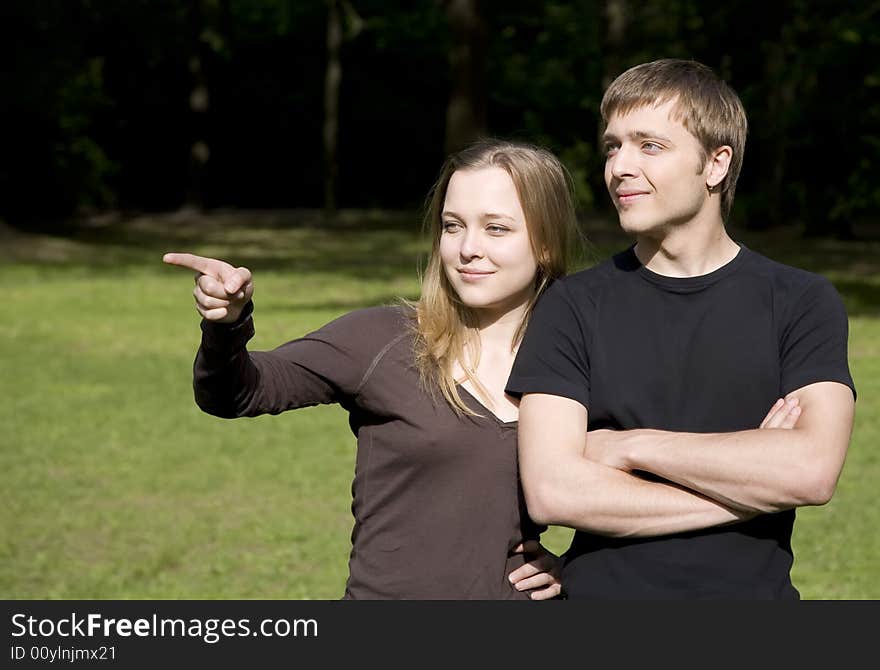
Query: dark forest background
154	105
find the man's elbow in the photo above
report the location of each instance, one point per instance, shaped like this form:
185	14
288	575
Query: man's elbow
819	489
543	502
815	485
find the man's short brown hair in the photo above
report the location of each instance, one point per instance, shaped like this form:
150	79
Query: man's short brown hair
704	104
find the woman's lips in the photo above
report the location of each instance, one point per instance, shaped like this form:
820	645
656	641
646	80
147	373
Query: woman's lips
474	275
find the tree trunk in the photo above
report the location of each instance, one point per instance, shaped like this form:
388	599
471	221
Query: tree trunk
615	18
466	112
782	79
199	103
332	81
612	66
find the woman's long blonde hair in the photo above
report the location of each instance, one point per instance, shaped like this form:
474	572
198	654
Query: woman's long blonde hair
446	329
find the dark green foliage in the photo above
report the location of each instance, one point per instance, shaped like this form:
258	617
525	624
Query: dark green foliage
96	109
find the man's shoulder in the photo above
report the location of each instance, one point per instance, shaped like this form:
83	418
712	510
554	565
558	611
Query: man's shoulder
603	271
781	276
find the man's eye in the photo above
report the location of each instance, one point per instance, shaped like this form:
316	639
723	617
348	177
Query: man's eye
652	147
611	149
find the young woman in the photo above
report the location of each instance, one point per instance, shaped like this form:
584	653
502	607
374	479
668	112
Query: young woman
439	512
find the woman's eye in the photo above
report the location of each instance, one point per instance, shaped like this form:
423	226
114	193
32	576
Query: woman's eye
496	230
450	226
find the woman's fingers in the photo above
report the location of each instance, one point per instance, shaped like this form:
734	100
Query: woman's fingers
537	581
219	314
540	574
201	264
208	301
225	280
527	547
212	287
213	300
236	280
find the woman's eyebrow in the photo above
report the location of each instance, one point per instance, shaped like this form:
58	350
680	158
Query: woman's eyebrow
484	215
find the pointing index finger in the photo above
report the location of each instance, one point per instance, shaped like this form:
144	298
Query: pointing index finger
207	266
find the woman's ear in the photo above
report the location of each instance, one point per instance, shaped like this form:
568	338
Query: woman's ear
544	257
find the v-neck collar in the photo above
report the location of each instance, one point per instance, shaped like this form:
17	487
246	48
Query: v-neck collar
497	419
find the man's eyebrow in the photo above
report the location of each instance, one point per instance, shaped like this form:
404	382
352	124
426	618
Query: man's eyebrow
637	135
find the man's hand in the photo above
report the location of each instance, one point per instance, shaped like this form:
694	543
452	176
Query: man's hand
541	570
783	414
221	290
608	447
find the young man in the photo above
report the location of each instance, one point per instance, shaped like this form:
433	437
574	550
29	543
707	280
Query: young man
678	345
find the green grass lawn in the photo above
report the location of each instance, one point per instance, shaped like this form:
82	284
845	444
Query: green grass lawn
116	486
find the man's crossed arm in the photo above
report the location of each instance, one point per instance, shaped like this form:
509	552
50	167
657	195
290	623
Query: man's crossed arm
752	470
585	481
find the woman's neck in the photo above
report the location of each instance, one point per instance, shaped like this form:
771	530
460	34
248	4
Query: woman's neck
498	329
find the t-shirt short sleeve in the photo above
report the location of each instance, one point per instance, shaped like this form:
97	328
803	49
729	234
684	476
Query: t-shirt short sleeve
813	345
554	355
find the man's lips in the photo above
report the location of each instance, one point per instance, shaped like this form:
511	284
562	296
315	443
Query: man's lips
626	197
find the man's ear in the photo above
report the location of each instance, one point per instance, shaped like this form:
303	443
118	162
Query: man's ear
719	163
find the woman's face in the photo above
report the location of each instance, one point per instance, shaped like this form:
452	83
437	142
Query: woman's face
484	244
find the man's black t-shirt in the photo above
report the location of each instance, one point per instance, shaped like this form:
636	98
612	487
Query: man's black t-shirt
698	354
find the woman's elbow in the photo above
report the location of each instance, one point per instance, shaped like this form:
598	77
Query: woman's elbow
222	411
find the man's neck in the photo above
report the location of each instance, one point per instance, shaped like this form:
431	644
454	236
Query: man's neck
688	250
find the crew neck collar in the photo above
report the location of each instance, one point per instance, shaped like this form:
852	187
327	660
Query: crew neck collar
686	284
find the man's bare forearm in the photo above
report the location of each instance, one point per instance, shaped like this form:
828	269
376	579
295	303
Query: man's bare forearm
564	487
766	470
595	498
748	470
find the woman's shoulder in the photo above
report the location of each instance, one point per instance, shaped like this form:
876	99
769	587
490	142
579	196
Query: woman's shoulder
373	325
381	316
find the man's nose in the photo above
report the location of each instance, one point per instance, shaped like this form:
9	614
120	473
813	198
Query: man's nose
624	162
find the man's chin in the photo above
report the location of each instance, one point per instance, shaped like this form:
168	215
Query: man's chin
633	226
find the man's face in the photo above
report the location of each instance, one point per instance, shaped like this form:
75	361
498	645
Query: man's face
654	171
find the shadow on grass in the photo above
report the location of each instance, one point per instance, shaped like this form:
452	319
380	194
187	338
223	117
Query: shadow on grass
368	244
341	306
